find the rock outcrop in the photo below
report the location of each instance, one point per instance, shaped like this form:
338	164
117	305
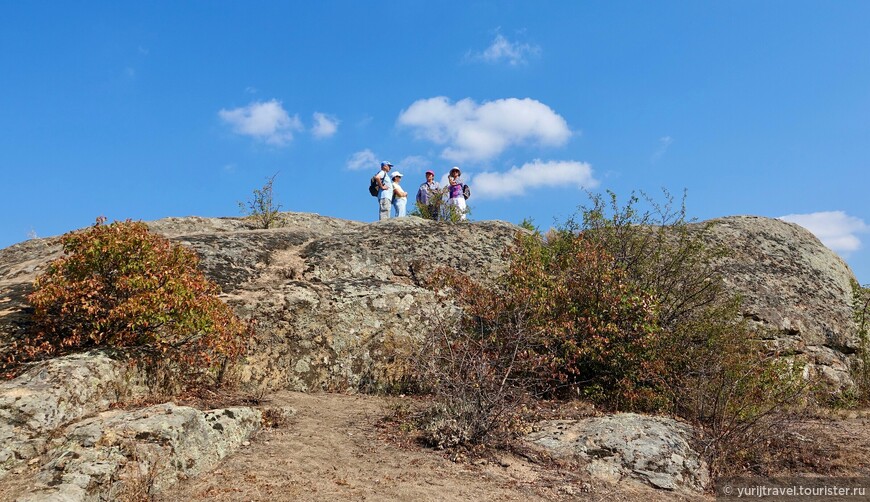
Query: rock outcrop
106	456
340	305
53	393
58	415
654	450
793	285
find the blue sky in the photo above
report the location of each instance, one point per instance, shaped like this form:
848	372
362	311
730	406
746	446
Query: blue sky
145	110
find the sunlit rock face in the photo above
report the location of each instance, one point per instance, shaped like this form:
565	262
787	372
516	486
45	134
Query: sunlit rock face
790	282
339	304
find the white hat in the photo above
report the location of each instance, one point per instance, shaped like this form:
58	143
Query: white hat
396	174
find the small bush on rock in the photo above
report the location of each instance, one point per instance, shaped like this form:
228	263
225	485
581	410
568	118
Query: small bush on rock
120	286
660	251
439	209
262	208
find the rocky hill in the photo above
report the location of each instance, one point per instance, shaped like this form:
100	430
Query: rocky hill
339	305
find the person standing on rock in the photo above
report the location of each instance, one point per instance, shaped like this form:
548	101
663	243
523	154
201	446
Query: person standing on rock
385	190
400	197
429	197
456	201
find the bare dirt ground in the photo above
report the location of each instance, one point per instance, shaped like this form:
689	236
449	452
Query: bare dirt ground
336	448
831	443
340	448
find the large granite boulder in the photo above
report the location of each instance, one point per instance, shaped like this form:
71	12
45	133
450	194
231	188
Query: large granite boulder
339	304
795	286
61	415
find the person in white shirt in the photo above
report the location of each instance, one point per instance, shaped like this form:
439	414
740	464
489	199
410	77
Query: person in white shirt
456	201
400	197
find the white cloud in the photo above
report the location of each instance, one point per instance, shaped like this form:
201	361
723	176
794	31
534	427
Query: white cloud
664	144
478	132
362	160
266	121
324	125
503	50
835	229
535	174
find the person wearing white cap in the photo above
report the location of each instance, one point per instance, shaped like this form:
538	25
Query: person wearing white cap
400	197
385	190
456	202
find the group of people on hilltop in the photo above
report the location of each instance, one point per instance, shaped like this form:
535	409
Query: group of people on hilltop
430	195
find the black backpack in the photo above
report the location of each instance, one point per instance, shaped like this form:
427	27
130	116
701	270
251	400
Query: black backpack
373	187
466	192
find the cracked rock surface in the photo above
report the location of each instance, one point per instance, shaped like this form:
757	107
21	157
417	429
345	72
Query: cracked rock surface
654	450
340	305
795	286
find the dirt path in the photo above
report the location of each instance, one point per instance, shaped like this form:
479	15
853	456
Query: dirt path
336	448
333	450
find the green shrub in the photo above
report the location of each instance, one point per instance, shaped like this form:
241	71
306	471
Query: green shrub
434	210
262	207
593	332
660	250
439	210
529	224
623	307
557	324
120	286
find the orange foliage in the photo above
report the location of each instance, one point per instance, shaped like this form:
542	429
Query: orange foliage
120	286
